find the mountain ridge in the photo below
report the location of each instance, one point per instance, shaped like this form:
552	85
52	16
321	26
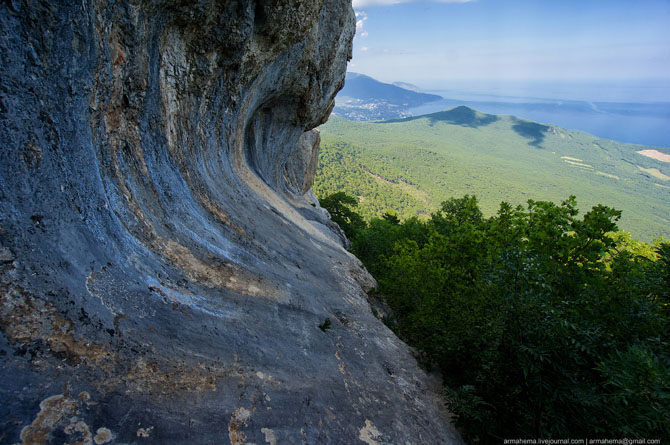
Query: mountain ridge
632	122
497	157
364	98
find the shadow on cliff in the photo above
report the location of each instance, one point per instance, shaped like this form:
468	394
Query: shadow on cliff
463	116
531	130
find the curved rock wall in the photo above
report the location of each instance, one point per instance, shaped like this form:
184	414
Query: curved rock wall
162	276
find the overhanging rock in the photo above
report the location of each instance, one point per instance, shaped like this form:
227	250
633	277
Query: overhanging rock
162	277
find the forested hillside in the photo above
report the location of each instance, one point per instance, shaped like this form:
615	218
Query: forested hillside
543	318
411	165
542	322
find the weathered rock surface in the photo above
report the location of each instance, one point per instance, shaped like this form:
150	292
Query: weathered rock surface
162	277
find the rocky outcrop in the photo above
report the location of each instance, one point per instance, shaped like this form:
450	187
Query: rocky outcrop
162	277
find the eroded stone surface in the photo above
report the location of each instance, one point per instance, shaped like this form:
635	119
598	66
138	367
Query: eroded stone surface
163	271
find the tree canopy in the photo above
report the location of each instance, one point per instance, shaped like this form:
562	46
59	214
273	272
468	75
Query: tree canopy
542	323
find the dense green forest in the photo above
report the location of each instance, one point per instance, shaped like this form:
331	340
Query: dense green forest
412	165
542	322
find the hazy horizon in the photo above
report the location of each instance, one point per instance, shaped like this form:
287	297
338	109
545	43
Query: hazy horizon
430	43
597	90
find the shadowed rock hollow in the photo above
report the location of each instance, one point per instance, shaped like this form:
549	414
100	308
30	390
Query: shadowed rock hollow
162	275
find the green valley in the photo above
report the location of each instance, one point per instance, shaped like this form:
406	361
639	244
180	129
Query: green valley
411	165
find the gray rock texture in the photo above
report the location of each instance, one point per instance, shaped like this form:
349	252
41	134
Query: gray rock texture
162	276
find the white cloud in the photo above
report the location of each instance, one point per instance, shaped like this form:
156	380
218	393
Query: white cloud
364	48
361	17
364	3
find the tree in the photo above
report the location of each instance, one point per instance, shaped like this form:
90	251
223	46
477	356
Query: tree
340	205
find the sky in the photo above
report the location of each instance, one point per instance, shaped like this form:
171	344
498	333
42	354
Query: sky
427	42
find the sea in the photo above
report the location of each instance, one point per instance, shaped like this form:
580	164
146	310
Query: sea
636	112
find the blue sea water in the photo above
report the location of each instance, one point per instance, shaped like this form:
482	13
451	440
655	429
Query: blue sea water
625	111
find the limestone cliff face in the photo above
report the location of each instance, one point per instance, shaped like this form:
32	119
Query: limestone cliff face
162	276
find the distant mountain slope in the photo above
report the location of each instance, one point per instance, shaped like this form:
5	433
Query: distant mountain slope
407	86
364	98
410	165
360	86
